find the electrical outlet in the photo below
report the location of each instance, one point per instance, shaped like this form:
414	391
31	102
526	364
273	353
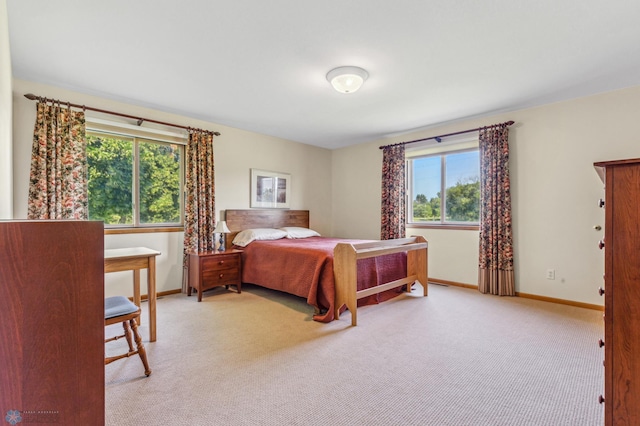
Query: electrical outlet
551	274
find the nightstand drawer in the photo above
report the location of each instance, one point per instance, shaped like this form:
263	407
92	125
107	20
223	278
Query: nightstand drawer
220	277
217	263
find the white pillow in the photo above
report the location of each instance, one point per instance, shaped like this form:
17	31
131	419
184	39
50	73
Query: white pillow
297	232
248	235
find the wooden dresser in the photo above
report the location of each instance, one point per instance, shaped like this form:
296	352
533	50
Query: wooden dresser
621	291
52	322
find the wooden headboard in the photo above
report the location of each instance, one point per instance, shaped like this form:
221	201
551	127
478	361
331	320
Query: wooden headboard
237	220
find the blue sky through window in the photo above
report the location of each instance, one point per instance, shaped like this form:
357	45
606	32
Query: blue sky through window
461	167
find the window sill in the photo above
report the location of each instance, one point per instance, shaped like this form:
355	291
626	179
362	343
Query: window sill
443	226
149	230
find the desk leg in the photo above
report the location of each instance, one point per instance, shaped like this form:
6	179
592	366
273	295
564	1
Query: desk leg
136	290
151	288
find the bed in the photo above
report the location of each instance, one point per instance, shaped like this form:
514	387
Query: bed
332	274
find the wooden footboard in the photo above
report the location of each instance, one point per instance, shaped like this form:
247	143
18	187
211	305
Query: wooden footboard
345	256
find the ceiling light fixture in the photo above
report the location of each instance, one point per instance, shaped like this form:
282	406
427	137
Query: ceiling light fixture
347	79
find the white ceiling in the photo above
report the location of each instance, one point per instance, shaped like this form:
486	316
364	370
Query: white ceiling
261	65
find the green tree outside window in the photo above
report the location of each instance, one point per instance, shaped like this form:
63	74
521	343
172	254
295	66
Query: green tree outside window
112	176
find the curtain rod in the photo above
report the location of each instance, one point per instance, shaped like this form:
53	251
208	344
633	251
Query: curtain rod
439	137
139	120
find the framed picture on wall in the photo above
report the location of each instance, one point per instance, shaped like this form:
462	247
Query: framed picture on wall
270	189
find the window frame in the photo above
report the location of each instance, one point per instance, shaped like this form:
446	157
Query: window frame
136	139
441	152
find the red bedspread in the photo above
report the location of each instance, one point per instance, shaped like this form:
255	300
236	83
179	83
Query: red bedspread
304	267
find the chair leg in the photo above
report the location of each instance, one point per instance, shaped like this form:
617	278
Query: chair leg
141	350
127	335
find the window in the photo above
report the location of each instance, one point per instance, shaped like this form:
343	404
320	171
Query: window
450	179
133	181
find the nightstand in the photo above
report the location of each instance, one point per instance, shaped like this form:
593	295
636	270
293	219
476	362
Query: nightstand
211	269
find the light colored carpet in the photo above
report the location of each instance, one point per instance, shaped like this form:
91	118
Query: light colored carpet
455	357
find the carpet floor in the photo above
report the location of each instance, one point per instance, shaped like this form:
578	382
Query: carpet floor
456	357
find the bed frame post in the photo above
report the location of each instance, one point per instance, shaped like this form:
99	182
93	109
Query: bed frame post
417	265
346	273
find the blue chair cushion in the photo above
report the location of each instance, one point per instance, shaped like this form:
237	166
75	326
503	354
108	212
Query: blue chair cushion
118	305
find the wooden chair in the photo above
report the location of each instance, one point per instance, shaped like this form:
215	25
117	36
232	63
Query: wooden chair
120	309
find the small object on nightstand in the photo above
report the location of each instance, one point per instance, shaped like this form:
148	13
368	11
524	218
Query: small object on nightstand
211	269
221	228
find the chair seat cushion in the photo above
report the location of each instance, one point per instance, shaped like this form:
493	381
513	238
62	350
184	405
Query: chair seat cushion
118	305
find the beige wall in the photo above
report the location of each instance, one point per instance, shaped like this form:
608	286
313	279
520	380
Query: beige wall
236	152
6	156
554	187
554	193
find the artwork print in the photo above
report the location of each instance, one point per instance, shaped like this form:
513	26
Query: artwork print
270	189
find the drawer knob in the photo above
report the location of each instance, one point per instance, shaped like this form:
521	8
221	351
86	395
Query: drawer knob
221	275
601	203
601	291
600	342
601	244
601	399
221	262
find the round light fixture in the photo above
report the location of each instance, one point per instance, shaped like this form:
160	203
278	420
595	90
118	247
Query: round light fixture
347	79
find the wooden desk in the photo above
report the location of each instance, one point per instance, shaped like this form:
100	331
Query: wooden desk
137	258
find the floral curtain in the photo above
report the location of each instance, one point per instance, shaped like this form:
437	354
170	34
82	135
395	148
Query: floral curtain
495	274
200	204
393	192
58	179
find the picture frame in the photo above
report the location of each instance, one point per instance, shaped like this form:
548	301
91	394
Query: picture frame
271	190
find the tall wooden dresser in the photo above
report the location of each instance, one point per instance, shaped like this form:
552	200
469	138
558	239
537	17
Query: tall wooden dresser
621	291
52	322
